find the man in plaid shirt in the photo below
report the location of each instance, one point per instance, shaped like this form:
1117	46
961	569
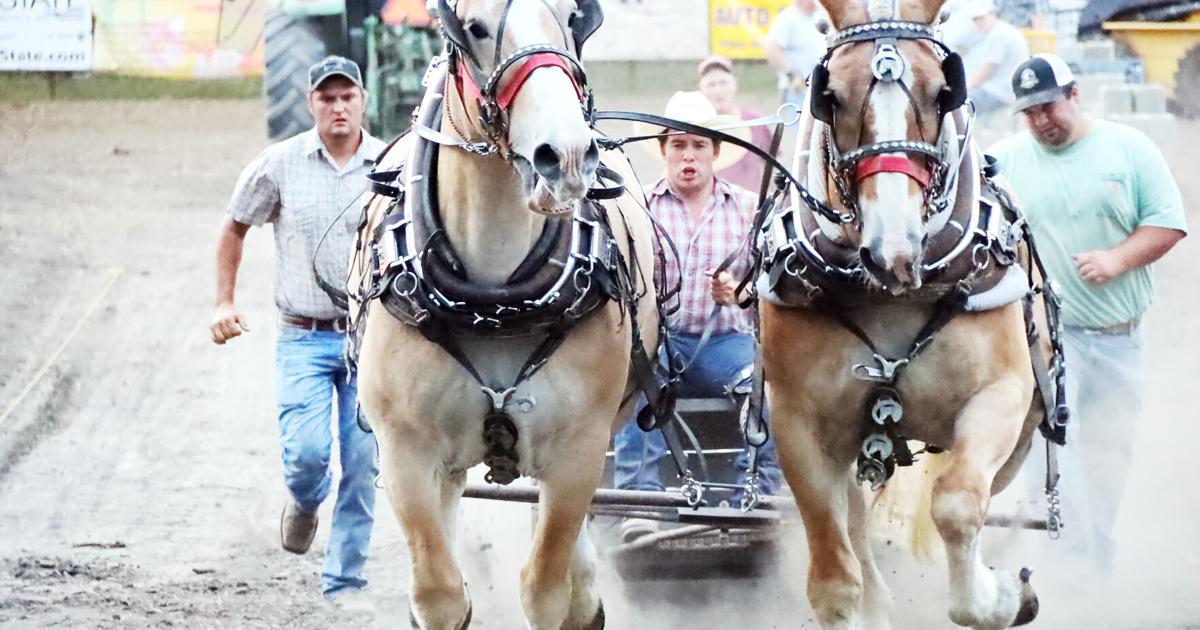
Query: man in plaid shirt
300	186
707	219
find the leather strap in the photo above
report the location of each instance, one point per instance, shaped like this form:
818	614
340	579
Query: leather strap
328	325
892	164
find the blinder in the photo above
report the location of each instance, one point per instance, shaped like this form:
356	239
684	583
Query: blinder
954	95
821	101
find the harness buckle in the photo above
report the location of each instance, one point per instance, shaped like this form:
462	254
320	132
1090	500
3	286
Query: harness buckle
885	373
888	64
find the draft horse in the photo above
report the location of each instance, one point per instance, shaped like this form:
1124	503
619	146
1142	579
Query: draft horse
899	302
514	281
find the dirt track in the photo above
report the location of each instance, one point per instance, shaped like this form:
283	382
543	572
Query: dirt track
139	479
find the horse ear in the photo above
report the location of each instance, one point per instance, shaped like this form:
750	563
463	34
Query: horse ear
587	17
955	93
843	13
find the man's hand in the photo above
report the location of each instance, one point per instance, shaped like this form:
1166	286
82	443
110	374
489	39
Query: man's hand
724	289
227	323
1098	266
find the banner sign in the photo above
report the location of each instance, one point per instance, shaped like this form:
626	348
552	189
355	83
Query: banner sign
180	39
739	27
45	35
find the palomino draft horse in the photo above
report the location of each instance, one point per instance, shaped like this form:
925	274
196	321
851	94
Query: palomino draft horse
512	301
896	299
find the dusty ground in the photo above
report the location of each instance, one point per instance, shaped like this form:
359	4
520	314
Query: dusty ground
139	475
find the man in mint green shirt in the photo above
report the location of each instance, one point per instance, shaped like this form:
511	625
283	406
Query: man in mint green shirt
1103	206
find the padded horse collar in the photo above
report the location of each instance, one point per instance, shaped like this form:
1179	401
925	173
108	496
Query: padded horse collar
570	270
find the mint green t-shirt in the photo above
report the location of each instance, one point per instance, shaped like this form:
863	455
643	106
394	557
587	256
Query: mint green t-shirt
1092	195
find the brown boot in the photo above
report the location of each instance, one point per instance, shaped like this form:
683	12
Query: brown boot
297	528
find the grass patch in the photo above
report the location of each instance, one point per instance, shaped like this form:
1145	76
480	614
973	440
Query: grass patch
24	87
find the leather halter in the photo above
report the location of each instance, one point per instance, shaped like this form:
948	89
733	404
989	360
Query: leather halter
888	65
494	99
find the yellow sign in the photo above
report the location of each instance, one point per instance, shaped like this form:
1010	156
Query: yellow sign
738	28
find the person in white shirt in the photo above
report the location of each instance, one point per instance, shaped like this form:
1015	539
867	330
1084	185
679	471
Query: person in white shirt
991	60
794	46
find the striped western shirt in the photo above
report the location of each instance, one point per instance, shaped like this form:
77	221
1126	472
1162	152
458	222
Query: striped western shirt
296	185
703	243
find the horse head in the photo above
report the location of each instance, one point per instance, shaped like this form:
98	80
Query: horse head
522	87
885	91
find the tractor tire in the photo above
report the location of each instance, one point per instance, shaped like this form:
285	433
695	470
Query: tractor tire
292	44
1186	103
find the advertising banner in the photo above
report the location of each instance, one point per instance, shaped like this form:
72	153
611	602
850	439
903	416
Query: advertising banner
45	35
739	27
180	39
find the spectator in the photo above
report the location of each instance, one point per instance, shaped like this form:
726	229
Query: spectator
719	85
1103	206
794	46
301	185
991	59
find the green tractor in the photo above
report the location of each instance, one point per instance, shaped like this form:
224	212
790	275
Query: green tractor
393	58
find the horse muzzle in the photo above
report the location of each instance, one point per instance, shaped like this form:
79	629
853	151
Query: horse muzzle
894	264
559	177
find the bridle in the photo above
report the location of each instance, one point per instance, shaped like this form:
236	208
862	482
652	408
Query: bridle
494	97
920	160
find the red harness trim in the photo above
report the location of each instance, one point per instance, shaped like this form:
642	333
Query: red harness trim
892	164
514	85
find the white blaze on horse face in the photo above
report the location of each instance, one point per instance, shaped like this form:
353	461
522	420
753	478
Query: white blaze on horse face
546	124
893	227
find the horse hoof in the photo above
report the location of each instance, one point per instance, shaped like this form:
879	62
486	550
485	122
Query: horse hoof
1029	601
597	621
412	619
467	620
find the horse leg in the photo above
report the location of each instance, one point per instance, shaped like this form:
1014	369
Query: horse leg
877	597
835	583
557	590
586	611
986	432
421	493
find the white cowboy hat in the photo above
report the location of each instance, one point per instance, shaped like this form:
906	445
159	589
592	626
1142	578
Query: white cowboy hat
694	108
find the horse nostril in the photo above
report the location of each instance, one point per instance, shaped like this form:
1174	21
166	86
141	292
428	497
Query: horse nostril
546	162
592	156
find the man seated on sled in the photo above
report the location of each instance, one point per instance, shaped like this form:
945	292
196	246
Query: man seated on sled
707	219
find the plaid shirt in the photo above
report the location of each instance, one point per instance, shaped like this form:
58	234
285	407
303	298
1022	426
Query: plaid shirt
296	185
703	245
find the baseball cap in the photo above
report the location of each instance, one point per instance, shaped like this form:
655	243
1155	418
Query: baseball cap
330	66
714	61
1040	79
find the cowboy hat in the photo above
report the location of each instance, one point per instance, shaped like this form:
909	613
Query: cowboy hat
692	107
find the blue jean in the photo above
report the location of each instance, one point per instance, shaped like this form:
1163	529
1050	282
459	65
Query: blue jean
310	373
721	363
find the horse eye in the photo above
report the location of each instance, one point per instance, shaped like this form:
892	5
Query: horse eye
477	30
